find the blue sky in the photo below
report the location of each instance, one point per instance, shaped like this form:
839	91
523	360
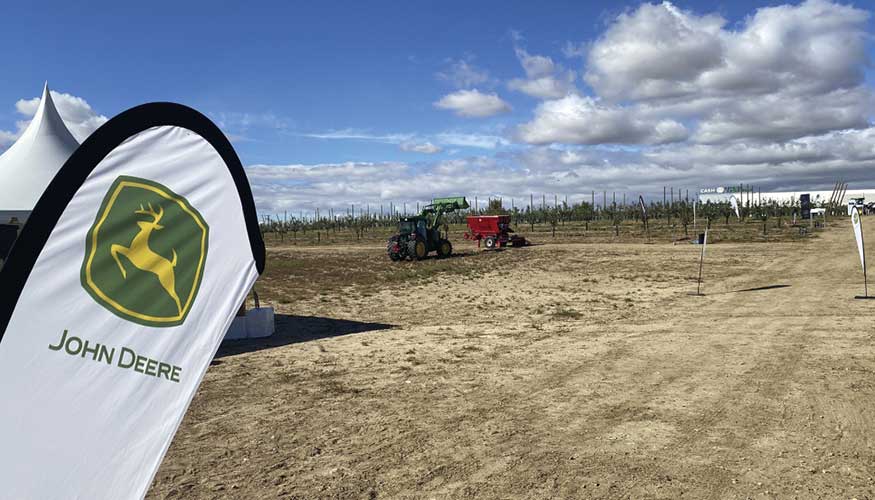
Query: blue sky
315	67
317	83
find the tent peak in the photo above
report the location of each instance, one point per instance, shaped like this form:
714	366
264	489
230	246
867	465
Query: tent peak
27	167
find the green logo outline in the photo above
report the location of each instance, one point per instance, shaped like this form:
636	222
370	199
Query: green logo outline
121	270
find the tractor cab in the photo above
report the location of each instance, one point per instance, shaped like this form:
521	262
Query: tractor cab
422	229
407	225
414	226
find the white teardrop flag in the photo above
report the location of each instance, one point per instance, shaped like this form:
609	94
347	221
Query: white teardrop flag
115	299
702	262
643	209
857	222
734	202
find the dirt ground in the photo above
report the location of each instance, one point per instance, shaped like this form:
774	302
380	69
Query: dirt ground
553	371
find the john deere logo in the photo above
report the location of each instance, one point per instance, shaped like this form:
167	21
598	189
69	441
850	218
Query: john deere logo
145	253
855	217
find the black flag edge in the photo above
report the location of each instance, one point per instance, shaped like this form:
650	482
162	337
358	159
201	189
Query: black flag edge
51	205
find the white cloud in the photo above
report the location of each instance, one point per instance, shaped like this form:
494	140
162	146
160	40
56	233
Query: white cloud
470	140
545	87
360	135
428	143
242	121
778	117
473	103
572	50
583	120
654	52
421	147
78	115
294	188
679	98
787	71
463	74
535	65
544	78
7	138
575	171
248	127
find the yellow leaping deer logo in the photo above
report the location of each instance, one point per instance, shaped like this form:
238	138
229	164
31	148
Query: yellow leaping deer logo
146	253
144	258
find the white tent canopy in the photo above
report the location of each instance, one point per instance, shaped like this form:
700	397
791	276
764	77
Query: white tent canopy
29	165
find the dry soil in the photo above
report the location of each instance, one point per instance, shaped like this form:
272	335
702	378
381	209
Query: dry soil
553	371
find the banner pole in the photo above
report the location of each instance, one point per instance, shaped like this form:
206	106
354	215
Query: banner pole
865	279
701	263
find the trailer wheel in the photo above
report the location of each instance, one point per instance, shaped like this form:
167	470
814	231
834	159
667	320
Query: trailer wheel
490	242
417	250
445	248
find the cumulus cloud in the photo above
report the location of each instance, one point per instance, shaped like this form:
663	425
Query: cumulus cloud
573	171
802	163
77	114
656	51
578	119
473	103
780	117
300	187
787	71
7	138
422	147
544	78
463	73
572	50
677	98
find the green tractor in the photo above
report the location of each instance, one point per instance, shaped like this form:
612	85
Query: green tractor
421	234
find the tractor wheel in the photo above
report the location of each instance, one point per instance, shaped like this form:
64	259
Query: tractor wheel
393	255
490	242
445	249
417	250
393	250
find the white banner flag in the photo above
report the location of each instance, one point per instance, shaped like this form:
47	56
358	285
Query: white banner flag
643	209
116	296
734	202
702	262
858	233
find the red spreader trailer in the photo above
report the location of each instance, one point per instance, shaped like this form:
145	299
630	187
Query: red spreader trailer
494	230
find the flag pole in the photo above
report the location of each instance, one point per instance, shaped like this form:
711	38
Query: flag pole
865	279
701	263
